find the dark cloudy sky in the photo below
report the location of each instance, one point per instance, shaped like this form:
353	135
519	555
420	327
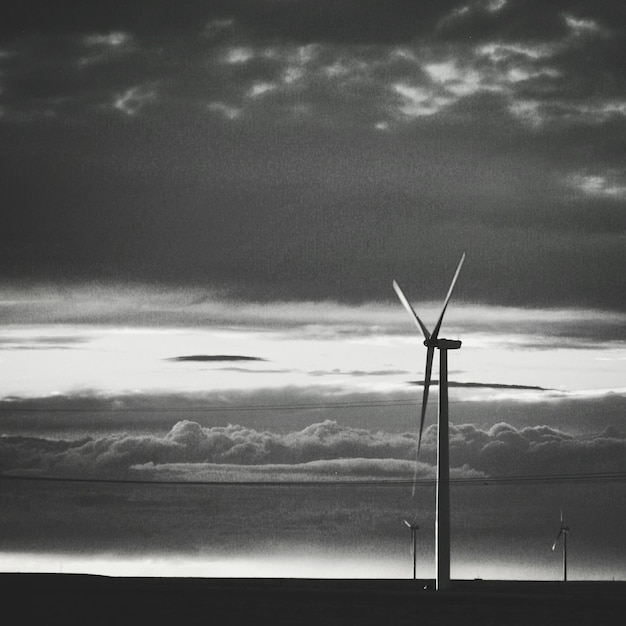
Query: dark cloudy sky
312	149
205	204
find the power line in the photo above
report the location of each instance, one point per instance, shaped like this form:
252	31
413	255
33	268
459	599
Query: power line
198	409
469	481
227	409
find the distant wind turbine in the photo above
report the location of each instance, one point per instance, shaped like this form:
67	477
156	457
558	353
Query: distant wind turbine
563	531
414	528
432	341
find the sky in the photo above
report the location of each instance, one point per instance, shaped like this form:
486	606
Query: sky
205	204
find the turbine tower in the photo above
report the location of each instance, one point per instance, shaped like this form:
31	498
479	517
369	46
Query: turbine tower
414	528
432	341
563	531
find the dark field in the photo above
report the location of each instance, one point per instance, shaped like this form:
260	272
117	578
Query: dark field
78	599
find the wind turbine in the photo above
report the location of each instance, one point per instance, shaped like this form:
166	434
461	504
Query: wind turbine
432	341
563	531
414	528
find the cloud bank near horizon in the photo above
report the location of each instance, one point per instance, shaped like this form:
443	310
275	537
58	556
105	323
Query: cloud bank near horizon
286	409
321	451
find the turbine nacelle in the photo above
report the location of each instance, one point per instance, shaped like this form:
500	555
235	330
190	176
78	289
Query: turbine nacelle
442	344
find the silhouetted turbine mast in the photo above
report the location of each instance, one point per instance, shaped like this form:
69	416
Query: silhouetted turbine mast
432	341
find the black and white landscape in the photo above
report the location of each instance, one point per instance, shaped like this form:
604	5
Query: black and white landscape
204	368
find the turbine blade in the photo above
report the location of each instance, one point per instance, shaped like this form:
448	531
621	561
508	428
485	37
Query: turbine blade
415	472
409	308
561	516
427	375
429	368
407	523
557	538
445	304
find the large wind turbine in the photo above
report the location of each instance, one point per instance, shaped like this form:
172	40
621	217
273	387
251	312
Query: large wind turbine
562	531
432	341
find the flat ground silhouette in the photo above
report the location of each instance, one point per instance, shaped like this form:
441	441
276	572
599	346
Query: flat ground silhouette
95	600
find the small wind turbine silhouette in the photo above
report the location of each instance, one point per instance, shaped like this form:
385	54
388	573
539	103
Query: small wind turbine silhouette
414	528
432	341
563	531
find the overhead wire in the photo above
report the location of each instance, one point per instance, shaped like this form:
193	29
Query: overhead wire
520	479
225	408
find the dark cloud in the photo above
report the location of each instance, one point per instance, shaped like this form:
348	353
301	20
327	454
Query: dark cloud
538	450
280	410
314	150
452	383
201	358
302	21
93	16
140	305
54	342
327	20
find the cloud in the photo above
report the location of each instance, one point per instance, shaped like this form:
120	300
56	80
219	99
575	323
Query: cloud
228	111
601	185
325	449
43	342
504	450
470	385
335	470
308	151
324	470
356	373
112	39
188	442
139	305
201	358
245	53
581	26
242	63
134	99
105	48
255	371
281	409
419	101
